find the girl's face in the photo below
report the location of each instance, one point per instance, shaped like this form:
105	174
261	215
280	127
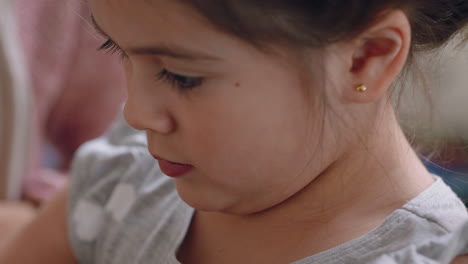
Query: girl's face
243	119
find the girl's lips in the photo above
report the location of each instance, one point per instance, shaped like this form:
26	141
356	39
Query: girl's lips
173	169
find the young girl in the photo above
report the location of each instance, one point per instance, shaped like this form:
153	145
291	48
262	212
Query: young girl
272	121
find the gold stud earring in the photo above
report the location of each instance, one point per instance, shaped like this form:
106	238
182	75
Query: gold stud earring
361	88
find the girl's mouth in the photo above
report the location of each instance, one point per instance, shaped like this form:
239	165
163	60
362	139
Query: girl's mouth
173	169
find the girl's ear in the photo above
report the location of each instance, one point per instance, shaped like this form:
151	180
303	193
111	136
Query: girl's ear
377	56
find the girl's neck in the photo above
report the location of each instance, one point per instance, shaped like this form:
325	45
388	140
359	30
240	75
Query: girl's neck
381	170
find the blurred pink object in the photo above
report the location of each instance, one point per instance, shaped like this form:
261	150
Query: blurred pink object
77	90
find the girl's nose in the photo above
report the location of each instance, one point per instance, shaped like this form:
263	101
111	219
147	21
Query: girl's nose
148	116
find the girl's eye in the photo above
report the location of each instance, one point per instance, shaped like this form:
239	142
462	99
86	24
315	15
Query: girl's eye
111	47
179	81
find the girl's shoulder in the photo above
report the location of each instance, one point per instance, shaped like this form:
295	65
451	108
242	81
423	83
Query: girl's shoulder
442	249
424	230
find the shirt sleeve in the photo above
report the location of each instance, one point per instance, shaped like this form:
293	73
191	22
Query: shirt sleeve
441	250
97	170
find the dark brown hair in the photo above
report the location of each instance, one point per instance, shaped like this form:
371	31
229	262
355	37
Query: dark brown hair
306	23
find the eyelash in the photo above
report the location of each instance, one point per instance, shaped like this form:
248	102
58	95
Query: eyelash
111	48
181	82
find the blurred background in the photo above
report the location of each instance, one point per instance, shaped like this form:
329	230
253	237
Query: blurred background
434	111
74	92
57	92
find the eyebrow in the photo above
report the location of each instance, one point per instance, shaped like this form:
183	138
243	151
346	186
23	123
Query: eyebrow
161	50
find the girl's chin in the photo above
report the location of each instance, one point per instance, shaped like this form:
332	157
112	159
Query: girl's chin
208	201
202	200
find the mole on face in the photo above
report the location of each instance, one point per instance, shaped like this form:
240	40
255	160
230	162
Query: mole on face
237	84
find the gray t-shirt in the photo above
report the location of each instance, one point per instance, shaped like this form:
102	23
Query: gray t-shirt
123	210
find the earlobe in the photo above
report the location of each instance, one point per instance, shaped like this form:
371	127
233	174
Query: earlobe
379	55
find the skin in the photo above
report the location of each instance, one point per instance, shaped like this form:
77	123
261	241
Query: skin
264	168
266	174
45	239
13	217
461	260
